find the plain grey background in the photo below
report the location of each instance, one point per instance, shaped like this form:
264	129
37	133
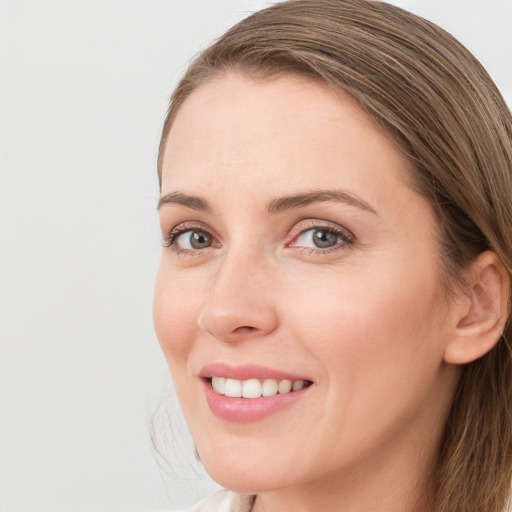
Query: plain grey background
84	87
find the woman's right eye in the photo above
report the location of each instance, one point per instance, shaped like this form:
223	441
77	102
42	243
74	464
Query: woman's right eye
189	240
194	240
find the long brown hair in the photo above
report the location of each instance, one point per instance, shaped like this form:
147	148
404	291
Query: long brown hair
446	114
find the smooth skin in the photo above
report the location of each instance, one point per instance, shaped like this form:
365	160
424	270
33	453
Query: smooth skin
342	287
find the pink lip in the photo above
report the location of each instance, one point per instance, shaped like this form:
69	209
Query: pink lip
245	372
247	410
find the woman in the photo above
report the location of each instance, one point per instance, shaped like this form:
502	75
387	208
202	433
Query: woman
333	295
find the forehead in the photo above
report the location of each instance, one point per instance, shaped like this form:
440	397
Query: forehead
290	132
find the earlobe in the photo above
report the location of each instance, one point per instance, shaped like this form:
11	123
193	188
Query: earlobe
482	314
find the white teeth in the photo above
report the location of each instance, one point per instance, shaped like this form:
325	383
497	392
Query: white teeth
285	386
251	388
298	384
233	388
269	387
219	384
254	388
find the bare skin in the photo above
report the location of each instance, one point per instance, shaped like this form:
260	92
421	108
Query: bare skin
341	287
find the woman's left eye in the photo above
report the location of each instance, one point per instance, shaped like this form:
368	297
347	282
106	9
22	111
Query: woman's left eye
322	238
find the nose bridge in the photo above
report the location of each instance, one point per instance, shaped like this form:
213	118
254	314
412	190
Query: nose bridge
239	303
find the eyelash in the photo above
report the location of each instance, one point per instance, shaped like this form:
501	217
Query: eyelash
170	240
347	238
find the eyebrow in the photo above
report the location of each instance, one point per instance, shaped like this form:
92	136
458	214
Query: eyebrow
317	196
275	205
193	202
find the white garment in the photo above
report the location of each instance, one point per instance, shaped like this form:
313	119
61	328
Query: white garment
223	501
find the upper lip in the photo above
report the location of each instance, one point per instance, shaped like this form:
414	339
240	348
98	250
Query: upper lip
247	371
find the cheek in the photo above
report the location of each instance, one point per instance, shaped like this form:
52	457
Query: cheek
377	344
364	319
174	316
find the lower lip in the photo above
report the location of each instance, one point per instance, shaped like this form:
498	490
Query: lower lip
249	410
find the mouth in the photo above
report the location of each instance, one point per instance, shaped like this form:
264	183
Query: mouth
251	393
254	387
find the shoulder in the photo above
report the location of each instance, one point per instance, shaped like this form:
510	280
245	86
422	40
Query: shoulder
223	501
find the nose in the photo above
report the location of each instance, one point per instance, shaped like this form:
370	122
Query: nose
240	305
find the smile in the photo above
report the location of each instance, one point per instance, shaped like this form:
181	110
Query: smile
256	388
250	393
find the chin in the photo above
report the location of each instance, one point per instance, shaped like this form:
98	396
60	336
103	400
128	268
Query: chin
243	474
243	480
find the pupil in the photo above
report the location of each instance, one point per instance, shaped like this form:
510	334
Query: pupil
199	240
323	239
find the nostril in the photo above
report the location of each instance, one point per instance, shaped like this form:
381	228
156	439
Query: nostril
244	329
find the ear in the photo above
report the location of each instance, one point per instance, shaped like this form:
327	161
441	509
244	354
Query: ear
482	312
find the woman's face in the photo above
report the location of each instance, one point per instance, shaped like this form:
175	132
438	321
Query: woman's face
295	251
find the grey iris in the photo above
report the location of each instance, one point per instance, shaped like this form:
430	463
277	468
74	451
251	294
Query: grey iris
200	240
323	239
